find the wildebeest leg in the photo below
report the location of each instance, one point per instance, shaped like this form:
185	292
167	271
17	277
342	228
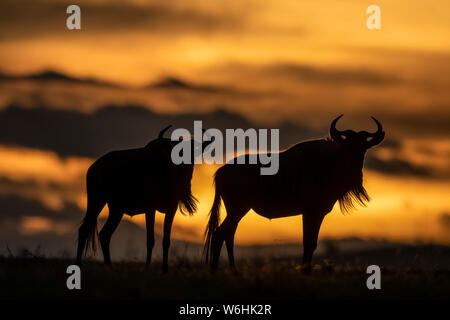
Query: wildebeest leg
150	224
217	243
166	239
311	227
230	225
225	232
108	229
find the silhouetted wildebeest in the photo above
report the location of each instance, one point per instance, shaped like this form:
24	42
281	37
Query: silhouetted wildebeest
136	181
312	176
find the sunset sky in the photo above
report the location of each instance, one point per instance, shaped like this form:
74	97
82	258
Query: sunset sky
293	65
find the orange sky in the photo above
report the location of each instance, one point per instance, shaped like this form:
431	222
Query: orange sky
135	41
259	47
402	209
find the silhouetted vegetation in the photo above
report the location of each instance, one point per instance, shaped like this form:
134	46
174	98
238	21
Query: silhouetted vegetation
413	273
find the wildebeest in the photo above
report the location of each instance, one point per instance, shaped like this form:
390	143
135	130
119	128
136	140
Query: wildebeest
312	176
132	182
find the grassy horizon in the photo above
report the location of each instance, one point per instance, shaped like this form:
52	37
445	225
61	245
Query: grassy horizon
420	272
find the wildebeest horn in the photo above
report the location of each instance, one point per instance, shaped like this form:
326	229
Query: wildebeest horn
335	133
161	134
377	136
379	127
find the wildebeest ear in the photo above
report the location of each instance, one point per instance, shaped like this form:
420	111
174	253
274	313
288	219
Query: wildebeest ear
161	133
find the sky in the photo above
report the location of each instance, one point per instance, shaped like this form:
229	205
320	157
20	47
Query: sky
293	65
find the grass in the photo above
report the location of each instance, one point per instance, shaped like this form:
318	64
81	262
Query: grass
267	279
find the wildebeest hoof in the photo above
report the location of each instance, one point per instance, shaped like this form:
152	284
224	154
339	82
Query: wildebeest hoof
306	269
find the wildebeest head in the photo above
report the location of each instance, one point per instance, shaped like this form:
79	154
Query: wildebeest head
195	147
356	141
198	147
183	171
161	143
163	131
355	145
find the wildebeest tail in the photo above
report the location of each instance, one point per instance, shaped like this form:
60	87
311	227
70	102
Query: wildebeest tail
92	234
87	233
188	203
213	224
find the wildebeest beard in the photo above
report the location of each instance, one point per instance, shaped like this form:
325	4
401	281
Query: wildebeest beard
354	193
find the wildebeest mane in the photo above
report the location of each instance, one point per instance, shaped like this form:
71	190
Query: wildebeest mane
354	191
349	182
187	203
357	193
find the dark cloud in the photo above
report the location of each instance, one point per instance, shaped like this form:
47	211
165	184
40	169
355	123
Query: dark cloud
305	73
15	207
391	143
29	184
128	241
444	221
71	133
51	75
430	123
34	18
174	83
397	166
192	95
159	17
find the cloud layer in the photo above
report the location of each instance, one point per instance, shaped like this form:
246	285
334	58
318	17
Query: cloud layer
28	19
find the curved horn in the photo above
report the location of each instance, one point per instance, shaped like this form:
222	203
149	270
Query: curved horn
379	127
377	136
335	133
161	134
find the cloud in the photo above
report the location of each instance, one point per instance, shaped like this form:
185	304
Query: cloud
27	224
257	95
19	209
16	207
35	18
298	72
329	75
397	166
71	133
434	121
174	83
51	194
444	221
391	144
55	76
